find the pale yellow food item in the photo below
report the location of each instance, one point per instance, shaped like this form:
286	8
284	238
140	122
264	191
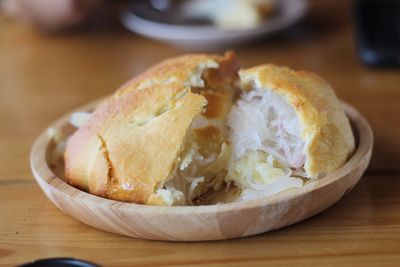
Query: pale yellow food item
196	130
231	14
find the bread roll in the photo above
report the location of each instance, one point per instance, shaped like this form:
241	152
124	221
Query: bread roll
196	130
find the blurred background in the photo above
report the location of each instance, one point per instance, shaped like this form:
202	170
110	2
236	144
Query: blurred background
56	55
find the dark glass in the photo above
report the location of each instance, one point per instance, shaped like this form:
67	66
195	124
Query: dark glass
377	25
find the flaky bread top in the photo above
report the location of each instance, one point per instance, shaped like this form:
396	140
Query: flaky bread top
133	141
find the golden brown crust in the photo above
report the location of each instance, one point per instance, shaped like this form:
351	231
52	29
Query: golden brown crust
181	70
325	129
133	140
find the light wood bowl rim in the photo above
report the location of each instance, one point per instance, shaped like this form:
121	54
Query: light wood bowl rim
43	174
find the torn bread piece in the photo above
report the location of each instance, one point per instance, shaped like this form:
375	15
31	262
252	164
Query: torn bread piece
287	127
161	138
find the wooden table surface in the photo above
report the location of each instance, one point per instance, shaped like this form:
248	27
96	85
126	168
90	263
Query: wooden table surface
44	76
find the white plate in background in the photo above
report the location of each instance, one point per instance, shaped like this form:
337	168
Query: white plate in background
208	36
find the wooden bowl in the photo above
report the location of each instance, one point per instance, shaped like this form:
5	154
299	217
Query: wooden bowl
190	223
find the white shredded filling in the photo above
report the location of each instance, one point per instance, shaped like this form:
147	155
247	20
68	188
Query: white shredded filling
196	172
267	148
258	175
262	120
187	178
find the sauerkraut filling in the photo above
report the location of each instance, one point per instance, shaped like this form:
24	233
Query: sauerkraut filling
267	152
198	174
204	162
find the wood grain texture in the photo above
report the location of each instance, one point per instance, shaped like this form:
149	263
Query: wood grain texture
361	230
213	222
44	76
